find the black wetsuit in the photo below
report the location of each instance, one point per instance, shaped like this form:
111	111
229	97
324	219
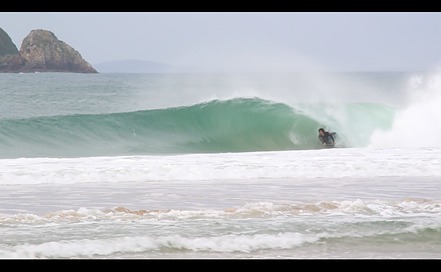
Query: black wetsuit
328	138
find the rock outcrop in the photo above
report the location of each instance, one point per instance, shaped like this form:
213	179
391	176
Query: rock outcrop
7	47
41	51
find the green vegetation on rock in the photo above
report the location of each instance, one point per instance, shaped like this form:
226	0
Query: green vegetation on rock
7	47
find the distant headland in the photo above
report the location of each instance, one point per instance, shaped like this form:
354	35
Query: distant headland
40	51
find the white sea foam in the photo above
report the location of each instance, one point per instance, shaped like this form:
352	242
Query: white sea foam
338	162
417	124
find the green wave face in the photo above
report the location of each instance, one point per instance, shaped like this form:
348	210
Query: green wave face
235	125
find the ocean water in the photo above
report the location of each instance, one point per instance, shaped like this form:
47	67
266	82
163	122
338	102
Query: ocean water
220	166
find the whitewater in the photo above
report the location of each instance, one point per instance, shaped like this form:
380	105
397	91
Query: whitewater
220	166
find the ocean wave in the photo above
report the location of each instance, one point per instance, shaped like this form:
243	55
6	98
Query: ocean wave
233	125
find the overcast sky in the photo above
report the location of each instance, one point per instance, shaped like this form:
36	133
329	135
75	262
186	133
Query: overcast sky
360	41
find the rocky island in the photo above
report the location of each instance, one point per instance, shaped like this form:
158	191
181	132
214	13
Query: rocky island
40	51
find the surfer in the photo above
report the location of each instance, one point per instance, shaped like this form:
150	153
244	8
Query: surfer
326	138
